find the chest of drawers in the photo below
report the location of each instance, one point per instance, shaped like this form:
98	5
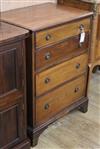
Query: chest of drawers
57	63
13	121
60	72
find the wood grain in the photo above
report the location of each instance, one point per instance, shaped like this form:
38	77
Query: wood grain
60	33
62	51
52	103
60	73
43	16
8	32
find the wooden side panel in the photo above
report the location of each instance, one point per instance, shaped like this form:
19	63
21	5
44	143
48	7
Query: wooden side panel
98	35
98	40
12	95
53	77
98	50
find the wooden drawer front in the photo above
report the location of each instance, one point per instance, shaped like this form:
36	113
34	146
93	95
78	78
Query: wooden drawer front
55	76
44	38
53	54
55	101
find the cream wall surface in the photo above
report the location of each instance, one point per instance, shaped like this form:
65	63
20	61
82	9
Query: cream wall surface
12	4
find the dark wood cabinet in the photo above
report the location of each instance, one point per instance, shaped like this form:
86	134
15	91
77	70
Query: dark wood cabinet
13	124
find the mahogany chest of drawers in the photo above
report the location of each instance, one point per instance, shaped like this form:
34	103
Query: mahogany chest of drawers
60	73
12	87
57	62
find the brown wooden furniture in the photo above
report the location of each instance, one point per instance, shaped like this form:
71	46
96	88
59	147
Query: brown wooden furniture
13	124
95	45
57	63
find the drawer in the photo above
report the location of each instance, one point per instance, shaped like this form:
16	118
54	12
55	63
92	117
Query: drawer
53	77
56	34
49	105
51	55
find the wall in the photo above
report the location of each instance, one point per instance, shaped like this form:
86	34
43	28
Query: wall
12	4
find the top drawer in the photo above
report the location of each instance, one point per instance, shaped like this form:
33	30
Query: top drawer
56	34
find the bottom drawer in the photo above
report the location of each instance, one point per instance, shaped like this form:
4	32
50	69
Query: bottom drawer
55	101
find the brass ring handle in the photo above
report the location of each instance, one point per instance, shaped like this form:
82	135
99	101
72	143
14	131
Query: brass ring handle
48	37
78	66
76	89
46	106
47	56
47	80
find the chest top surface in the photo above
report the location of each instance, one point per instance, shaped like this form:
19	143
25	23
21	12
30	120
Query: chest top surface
43	16
9	32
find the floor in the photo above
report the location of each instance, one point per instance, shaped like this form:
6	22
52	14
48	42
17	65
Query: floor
76	130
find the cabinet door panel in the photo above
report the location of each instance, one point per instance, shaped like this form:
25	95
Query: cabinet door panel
11	125
10	68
